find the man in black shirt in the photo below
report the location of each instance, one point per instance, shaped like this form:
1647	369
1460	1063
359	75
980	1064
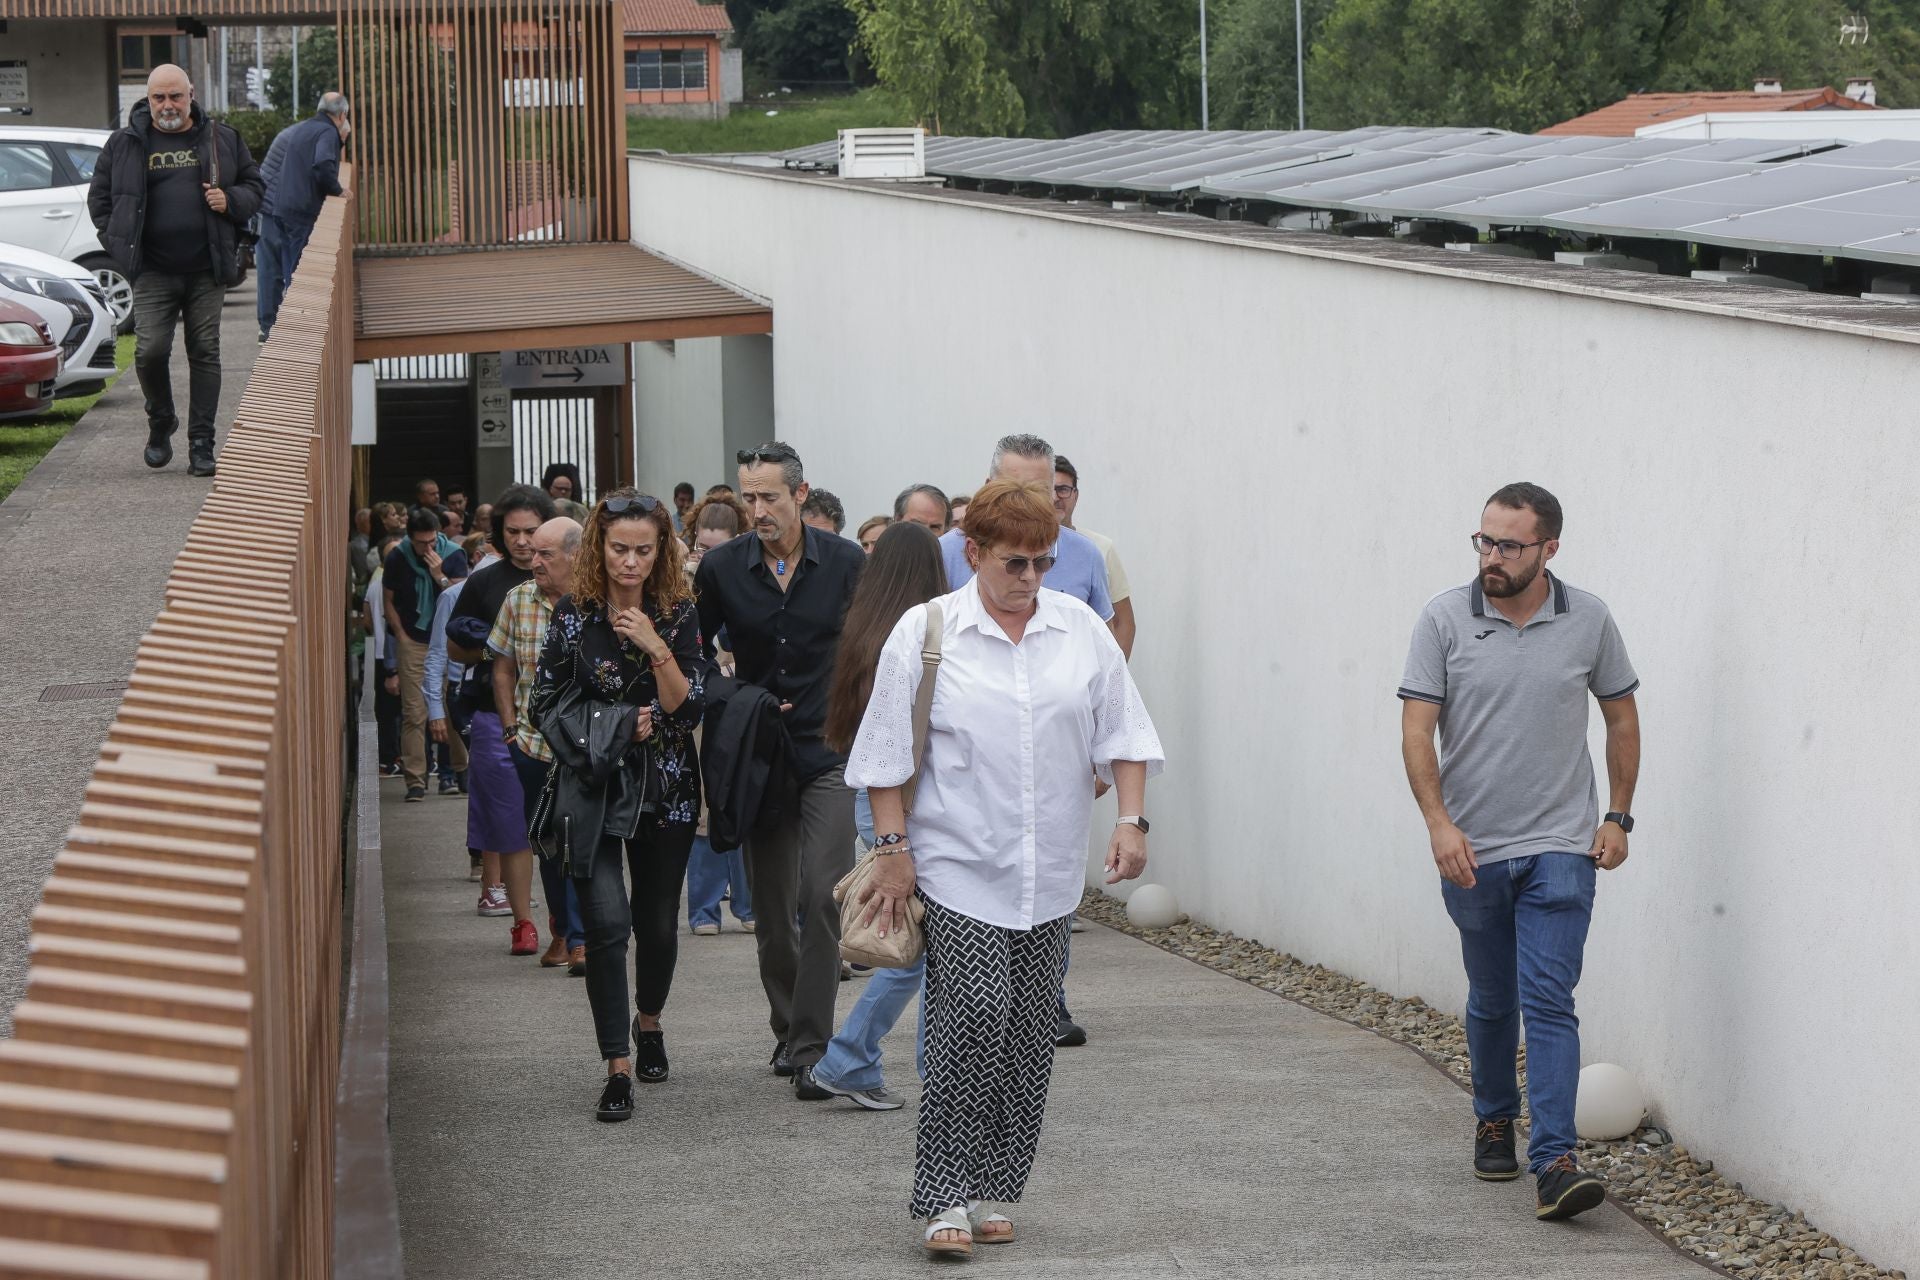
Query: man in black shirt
169	196
781	592
496	808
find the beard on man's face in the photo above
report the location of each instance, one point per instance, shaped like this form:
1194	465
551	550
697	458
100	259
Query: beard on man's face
1500	584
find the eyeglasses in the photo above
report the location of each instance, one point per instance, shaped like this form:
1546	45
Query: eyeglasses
644	503
779	457
1065	490
1507	547
1017	566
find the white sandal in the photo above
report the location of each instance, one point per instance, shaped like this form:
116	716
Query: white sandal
977	1219
954	1219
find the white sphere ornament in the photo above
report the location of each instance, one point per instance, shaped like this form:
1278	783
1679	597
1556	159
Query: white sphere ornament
1610	1103
1153	906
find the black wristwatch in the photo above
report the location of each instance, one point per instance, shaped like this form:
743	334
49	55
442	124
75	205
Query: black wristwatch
1623	820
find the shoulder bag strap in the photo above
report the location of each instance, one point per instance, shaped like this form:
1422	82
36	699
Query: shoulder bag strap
923	698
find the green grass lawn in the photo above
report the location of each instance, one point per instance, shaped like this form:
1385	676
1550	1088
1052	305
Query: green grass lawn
24	441
799	121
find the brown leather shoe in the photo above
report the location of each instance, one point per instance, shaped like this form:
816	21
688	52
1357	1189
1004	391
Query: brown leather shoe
577	962
556	953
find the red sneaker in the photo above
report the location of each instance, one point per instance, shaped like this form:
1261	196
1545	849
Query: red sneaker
526	939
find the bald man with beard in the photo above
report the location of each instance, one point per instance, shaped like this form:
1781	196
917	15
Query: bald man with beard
169	196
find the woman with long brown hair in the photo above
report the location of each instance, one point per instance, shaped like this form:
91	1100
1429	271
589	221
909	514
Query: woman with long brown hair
903	570
628	635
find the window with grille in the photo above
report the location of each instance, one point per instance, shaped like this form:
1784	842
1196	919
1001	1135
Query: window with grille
666	69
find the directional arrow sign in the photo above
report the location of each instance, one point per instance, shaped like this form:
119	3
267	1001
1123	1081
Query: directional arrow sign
534	367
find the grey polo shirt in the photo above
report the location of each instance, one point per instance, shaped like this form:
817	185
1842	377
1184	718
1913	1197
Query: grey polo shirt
1514	769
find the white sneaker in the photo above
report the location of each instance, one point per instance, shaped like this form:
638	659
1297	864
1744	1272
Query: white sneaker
493	902
706	930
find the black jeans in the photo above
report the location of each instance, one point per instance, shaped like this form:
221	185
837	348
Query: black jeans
159	303
657	860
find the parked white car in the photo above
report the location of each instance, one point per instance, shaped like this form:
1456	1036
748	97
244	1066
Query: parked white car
67	296
44	174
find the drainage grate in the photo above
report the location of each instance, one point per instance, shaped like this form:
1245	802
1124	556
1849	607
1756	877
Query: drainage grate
75	692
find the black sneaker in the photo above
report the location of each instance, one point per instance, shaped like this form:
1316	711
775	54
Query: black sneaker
159	451
1493	1159
200	458
805	1089
1068	1034
649	1055
448	787
782	1059
416	794
1564	1190
616	1100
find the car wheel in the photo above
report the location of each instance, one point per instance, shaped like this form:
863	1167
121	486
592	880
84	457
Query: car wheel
119	290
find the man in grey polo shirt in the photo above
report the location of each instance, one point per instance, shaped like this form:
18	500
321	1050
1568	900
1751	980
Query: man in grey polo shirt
1503	667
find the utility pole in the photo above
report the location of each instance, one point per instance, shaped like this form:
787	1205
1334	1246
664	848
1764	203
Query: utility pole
1300	61
1203	65
295	100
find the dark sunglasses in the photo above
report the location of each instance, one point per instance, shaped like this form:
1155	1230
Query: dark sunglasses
1016	566
644	503
749	457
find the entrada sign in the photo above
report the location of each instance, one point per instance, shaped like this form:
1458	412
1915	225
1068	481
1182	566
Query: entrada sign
563	367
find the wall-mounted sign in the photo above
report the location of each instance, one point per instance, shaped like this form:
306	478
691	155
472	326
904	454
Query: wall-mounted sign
13	84
493	403
563	368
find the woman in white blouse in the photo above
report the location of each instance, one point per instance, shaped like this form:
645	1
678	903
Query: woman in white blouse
1032	700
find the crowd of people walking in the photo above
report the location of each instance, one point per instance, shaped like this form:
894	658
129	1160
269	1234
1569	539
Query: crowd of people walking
730	697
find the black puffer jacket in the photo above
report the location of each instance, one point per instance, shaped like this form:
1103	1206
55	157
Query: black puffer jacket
117	200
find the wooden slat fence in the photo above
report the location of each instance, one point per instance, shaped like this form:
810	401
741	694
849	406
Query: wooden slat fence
166	1105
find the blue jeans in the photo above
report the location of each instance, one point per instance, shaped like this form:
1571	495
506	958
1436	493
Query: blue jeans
710	874
1523	933
852	1059
275	256
563	896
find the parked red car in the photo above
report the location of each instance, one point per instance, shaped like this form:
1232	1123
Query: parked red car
29	362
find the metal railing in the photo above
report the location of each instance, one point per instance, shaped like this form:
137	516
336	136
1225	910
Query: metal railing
167	1103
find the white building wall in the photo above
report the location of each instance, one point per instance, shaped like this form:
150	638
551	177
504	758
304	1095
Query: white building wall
1290	451
1791	126
69	72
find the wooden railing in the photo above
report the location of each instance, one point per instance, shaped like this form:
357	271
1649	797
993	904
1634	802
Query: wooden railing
166	1108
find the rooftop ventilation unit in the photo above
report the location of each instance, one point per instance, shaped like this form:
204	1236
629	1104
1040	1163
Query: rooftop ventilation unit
883	153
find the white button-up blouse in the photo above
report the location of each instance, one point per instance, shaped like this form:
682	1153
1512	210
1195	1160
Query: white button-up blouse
1017	732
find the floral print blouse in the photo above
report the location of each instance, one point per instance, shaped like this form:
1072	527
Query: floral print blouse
582	645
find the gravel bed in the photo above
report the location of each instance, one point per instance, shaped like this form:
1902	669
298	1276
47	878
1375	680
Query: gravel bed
1680	1196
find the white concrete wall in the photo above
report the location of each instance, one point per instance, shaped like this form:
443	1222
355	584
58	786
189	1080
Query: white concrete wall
69	72
1791	126
696	403
1291	451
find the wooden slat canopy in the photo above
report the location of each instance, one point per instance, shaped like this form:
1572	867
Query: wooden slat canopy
494	300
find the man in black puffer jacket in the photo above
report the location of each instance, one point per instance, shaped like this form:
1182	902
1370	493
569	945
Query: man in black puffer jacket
170	194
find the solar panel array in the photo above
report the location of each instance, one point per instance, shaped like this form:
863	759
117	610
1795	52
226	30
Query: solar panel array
1820	197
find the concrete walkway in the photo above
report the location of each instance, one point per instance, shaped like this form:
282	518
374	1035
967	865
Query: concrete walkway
1210	1129
86	541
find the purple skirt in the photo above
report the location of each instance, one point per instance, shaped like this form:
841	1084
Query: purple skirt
496	811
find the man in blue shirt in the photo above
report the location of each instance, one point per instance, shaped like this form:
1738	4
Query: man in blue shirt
302	169
1080	571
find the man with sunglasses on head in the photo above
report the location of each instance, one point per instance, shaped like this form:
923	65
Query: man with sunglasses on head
1077	568
1502	667
781	591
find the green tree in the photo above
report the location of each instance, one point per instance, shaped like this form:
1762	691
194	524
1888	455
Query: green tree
935	57
1251	80
319	72
804	41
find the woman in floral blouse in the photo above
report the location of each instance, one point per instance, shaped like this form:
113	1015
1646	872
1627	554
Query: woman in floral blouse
629	634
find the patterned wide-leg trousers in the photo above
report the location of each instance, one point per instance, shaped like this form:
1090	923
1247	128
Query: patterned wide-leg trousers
990	1020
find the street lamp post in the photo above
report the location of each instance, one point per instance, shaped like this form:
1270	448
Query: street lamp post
1300	62
1203	65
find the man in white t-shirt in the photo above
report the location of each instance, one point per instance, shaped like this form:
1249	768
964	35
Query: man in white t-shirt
1066	497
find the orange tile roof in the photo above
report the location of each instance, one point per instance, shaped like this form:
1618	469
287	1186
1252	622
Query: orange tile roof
1638	110
674	17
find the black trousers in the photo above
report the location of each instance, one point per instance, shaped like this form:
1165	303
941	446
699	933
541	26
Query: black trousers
647	911
160	302
792	865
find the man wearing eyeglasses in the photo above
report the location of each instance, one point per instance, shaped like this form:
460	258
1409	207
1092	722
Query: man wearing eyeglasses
1502	667
781	592
169	196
